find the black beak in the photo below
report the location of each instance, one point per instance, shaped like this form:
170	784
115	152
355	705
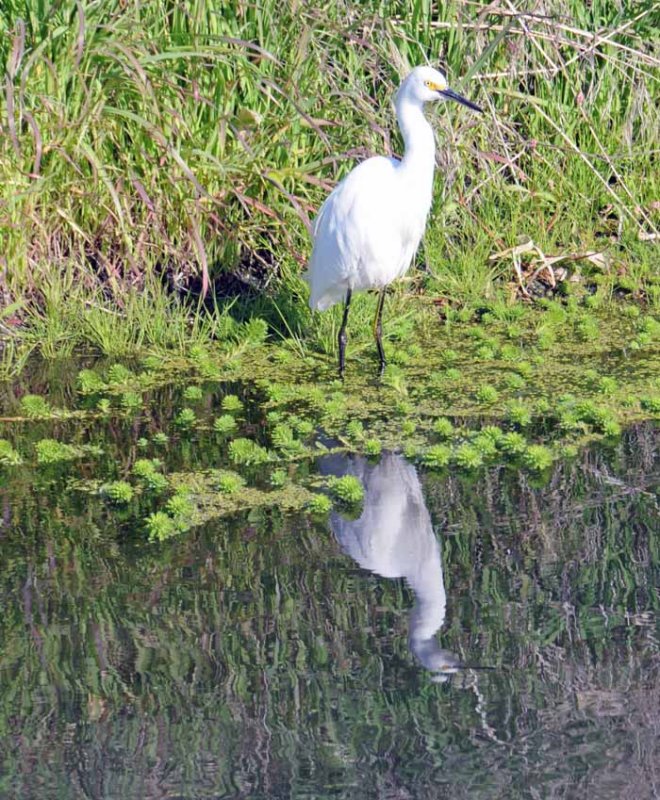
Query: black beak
452	95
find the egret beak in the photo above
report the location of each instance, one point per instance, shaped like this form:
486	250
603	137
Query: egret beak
452	95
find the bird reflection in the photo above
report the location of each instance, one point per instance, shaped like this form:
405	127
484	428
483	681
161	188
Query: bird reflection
394	538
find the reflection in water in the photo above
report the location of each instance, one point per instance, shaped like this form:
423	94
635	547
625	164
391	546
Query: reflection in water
394	538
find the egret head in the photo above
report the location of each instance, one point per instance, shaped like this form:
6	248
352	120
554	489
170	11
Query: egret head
425	85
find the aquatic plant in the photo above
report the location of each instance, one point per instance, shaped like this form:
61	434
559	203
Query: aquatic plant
513	443
484	444
229	482
347	488
372	447
119	374
186	418
452	374
319	505
437	456
147	470
587	329
355	430
304	427
50	451
160	438
90	382
35	406
467	456
518	413
487	394
537	457
443	427
192	394
160	526
131	401
142	443
225	424
408	427
278	478
514	381
491	432
180	506
9	456
120	492
247	452
232	404
284	439
104	406
651	403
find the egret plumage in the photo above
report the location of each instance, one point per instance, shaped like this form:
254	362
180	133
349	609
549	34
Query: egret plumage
370	226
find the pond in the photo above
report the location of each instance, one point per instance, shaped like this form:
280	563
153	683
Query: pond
470	636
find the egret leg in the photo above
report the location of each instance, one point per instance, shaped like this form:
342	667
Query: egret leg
342	339
378	329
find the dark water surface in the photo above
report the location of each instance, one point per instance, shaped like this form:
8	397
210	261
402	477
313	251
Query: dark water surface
463	638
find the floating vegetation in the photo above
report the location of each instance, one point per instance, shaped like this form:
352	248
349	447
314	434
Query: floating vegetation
232	404
34	406
50	451
225	424
120	492
348	489
247	452
186	418
147	471
444	408
9	456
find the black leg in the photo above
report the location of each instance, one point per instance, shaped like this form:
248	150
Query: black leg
342	335
378	329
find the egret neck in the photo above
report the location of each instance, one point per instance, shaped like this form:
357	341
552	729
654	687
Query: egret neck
419	155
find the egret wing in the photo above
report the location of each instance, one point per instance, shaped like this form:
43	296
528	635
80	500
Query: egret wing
356	244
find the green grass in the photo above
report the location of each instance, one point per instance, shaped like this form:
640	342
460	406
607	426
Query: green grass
149	148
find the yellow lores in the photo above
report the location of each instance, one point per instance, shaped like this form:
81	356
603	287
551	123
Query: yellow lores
369	228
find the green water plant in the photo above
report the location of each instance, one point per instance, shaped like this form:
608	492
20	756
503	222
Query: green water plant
319	505
348	489
50	451
119	492
467	456
372	448
131	401
118	374
443	427
518	413
229	482
192	394
232	404
35	406
513	443
147	470
225	424
8	455
90	382
160	526
247	452
537	457
437	456
487	394
651	403
186	418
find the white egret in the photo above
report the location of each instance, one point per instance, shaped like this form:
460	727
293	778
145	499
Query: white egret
369	228
394	538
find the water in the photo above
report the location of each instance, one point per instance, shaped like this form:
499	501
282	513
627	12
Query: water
464	637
